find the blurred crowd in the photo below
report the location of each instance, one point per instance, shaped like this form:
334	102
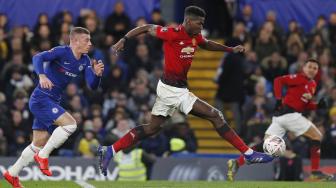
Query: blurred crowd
273	51
127	92
123	101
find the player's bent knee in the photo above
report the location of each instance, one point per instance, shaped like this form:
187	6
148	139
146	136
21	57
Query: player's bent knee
65	119
70	128
219	119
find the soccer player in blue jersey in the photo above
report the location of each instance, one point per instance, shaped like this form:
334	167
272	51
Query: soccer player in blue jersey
52	124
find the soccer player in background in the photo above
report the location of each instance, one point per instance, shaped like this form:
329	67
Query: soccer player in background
299	98
52	124
179	45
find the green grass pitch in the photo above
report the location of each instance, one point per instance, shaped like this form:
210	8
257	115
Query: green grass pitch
169	184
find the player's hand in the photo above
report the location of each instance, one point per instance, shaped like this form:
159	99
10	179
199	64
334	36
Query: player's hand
238	48
307	96
98	67
119	46
45	83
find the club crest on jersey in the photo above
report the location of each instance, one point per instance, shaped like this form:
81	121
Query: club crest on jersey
181	43
54	110
80	68
188	50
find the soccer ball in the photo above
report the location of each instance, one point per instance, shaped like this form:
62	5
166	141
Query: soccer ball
274	145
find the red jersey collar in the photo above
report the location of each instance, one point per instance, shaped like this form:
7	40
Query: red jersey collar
182	28
306	77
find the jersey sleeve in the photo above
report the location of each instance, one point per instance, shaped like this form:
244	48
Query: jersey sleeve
200	39
91	78
165	33
49	55
286	80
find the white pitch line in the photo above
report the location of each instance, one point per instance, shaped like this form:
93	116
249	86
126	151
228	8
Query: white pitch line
84	184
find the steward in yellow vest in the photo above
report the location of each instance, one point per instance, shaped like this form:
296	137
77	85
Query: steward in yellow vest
130	164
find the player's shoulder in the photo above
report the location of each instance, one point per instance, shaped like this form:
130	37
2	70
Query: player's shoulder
293	76
175	29
59	49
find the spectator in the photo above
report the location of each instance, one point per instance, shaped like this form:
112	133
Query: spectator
4	48
97	36
273	66
157	144
62	37
332	32
141	95
98	129
115	79
257	113
88	144
231	76
271	17
43	19
321	28
117	23
266	44
43	33
3	143
296	67
179	128
156	18
4	22
137	165
246	18
316	46
20	104
329	141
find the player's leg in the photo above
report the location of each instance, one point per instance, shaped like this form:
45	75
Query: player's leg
139	133
275	128
131	138
206	111
66	126
40	138
315	137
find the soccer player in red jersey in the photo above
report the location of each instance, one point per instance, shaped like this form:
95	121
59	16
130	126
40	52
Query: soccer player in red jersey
180	44
299	97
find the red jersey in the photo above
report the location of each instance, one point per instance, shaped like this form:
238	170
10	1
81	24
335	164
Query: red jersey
179	49
297	86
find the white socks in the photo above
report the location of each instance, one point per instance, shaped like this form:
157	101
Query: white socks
27	156
114	153
58	137
248	152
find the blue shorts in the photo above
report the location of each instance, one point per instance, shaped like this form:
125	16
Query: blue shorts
45	110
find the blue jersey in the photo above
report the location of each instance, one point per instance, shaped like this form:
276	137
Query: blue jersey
61	68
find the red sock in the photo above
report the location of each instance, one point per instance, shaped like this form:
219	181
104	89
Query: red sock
235	140
241	160
315	157
128	140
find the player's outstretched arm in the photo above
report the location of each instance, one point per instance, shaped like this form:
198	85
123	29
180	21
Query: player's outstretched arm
215	46
148	28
